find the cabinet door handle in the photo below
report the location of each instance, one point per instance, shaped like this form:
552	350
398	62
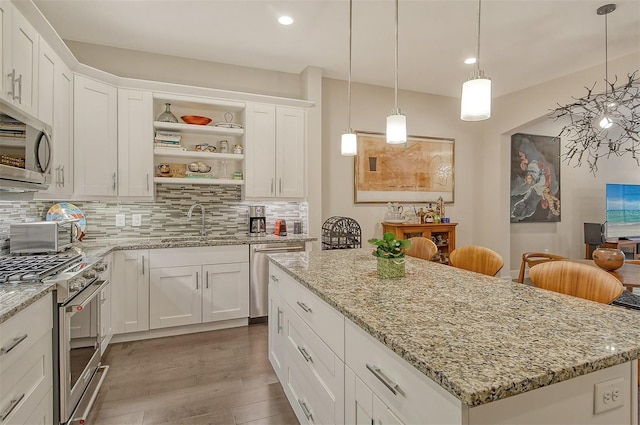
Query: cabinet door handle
147	182
19	97
305	409
143	264
304	306
114	181
393	386
271	186
280	186
197	277
279	320
304	353
207	279
12	405
62	175
274	278
13	344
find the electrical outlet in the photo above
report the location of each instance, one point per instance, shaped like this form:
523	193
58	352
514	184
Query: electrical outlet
119	220
136	220
608	395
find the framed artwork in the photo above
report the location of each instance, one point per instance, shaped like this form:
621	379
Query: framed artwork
535	178
421	170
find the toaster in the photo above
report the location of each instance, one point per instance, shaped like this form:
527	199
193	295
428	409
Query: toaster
42	236
280	228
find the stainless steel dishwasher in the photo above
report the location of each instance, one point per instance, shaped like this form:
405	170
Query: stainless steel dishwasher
259	276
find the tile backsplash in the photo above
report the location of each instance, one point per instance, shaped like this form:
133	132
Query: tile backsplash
226	213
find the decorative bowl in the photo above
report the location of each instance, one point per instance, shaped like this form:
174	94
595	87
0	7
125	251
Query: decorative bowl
195	119
608	258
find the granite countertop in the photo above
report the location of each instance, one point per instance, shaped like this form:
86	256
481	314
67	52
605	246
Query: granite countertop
481	338
16	297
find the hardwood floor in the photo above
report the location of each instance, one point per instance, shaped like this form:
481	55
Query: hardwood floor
217	377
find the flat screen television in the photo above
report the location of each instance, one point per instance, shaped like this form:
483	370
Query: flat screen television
623	211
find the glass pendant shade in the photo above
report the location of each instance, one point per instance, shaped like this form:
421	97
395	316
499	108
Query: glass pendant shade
349	144
396	128
476	99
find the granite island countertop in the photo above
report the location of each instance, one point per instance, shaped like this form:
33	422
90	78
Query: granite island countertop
481	338
15	297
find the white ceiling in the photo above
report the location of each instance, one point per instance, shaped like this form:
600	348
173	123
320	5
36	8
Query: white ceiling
523	42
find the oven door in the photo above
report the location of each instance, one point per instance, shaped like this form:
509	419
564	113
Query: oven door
79	344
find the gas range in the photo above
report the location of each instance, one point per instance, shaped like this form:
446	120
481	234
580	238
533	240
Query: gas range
70	271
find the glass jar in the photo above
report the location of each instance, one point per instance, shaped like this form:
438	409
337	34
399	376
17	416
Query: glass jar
167	116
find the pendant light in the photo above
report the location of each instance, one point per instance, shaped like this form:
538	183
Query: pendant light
609	106
349	143
476	91
397	121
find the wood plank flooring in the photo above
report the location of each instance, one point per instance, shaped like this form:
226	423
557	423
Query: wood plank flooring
217	377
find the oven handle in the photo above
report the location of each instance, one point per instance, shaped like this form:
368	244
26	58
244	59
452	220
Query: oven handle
85	297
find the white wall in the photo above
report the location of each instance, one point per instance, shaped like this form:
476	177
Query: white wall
427	115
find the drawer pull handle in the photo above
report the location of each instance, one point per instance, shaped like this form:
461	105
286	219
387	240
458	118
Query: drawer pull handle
393	386
304	306
13	344
279	320
11	407
304	353
274	278
305	409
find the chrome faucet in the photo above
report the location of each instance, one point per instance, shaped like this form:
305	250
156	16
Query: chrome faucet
203	231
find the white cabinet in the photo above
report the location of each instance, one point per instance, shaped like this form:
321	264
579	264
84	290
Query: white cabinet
306	347
26	365
95	144
56	106
277	337
198	285
106	326
227	123
130	291
362	406
275	154
20	60
135	152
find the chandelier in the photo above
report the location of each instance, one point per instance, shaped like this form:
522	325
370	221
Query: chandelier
601	125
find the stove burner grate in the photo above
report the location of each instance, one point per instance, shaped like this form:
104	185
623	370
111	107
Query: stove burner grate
22	268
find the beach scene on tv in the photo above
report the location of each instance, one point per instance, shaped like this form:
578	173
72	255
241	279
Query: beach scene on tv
623	211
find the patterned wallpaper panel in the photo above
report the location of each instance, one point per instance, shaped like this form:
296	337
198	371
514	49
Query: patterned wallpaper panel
225	213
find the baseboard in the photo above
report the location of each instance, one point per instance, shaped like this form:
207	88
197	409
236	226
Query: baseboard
179	330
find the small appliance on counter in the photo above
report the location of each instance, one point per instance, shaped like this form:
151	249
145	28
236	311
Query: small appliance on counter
257	221
280	228
43	237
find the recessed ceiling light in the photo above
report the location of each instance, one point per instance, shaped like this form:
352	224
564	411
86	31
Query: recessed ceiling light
470	61
285	20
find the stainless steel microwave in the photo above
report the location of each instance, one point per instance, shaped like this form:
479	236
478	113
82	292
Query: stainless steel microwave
42	236
25	151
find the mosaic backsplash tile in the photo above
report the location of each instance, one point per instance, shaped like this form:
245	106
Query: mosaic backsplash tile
226	213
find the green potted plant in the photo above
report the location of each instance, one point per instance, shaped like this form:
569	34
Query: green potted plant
390	253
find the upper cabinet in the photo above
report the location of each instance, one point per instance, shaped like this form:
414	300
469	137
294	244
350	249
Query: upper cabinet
19	60
55	106
275	157
95	129
207	153
135	152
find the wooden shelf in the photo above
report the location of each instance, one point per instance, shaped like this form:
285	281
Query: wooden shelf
193	180
446	231
177	153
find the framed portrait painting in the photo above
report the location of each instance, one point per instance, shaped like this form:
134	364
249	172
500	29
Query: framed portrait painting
535	178
421	170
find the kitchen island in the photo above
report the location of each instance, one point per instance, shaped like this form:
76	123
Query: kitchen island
467	348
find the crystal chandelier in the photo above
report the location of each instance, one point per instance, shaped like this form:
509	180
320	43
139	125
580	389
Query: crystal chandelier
602	124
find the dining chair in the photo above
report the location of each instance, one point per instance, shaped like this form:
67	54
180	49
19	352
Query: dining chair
577	279
422	247
476	259
532	258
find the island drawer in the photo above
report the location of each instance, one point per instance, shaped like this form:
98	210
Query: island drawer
20	332
417	399
317	362
325	321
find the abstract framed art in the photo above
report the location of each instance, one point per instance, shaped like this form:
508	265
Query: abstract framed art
421	170
535	178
